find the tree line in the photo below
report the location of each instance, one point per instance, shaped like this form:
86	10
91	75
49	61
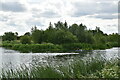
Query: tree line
62	33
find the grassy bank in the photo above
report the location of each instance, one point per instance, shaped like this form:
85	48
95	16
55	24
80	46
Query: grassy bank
91	68
49	47
35	48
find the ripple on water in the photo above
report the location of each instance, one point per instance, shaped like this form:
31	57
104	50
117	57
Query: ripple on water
13	59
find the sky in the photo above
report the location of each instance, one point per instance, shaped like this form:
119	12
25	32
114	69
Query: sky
21	15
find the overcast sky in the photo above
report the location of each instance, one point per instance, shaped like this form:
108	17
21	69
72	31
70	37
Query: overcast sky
20	15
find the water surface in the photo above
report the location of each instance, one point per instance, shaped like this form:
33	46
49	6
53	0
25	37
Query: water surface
11	59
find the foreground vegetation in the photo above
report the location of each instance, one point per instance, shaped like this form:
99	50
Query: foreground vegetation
60	38
90	68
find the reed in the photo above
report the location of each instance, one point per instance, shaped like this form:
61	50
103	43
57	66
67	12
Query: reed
90	68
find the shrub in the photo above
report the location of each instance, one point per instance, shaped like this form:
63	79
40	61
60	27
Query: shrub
45	48
25	40
76	46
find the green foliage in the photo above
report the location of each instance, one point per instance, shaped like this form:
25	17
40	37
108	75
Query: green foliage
88	38
9	36
61	26
27	34
82	34
36	48
24	48
25	40
110	72
62	37
72	37
90	68
49	35
49	47
38	36
76	46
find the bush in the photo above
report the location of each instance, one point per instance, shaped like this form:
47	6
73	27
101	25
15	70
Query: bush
25	40
99	46
25	48
76	46
35	48
114	44
45	48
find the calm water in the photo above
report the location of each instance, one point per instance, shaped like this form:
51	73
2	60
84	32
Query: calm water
10	59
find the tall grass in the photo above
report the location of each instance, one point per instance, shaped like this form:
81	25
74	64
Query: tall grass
90	68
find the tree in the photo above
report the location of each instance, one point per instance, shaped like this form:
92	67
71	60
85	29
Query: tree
34	28
61	26
9	36
16	33
65	24
79	31
50	26
114	37
25	39
88	38
27	34
38	36
62	37
74	29
49	35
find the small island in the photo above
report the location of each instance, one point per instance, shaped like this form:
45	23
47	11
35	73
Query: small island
61	38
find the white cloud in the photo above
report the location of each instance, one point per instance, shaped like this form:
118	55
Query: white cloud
105	16
24	14
12	6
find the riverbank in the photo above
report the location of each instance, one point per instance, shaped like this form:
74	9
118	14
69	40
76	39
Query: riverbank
53	48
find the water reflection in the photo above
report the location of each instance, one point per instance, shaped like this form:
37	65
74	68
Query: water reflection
11	59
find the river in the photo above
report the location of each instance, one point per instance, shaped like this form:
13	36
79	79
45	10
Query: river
10	59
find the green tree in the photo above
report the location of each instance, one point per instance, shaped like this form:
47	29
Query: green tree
9	36
62	37
49	34
34	28
79	31
27	34
50	26
25	39
61	26
38	36
89	38
114	37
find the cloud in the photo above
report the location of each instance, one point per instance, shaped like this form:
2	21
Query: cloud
34	22
12	6
20	15
49	14
82	9
3	18
105	16
46	14
90	8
